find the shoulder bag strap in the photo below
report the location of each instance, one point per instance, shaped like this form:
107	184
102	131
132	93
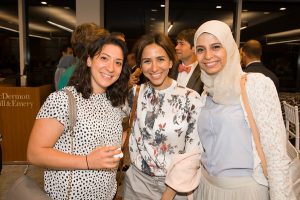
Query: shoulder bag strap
133	109
72	111
72	121
125	162
253	126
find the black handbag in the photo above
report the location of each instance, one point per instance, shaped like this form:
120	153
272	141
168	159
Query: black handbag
25	188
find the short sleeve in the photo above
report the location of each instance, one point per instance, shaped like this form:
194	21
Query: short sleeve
55	106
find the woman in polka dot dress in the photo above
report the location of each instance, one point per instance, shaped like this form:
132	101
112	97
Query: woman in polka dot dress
99	86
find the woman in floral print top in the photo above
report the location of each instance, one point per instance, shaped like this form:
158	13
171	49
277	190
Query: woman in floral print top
165	123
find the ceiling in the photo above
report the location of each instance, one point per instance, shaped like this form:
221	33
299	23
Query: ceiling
136	17
59	11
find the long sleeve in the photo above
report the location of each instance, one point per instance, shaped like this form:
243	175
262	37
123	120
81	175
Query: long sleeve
267	113
184	171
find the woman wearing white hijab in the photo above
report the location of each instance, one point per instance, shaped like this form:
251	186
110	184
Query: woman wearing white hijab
231	168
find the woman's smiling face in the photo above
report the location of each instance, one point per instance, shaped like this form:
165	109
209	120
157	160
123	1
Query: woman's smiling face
211	54
156	64
105	67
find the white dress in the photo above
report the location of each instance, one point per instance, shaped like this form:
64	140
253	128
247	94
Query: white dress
98	123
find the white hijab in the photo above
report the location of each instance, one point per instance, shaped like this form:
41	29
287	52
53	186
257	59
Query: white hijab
224	86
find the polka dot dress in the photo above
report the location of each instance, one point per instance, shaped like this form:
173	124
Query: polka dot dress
97	124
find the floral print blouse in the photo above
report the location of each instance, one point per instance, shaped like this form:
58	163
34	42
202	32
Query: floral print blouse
165	125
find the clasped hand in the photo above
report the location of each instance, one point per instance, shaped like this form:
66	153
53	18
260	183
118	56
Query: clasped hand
103	158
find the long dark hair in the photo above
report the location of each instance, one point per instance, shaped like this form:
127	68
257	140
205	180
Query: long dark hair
81	79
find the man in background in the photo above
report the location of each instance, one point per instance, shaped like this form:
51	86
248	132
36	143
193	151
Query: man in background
251	53
187	72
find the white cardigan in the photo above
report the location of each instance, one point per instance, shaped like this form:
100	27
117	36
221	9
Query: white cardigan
266	109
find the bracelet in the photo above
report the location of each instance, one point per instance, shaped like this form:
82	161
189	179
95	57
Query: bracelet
87	163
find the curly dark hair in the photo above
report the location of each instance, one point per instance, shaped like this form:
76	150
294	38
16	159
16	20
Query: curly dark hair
81	79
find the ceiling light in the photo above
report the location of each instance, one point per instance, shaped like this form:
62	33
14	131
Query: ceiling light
154	10
60	26
31	35
244	24
152	19
162	5
44	2
38	36
282	41
170	27
290	33
218	7
282	8
245	10
9	29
